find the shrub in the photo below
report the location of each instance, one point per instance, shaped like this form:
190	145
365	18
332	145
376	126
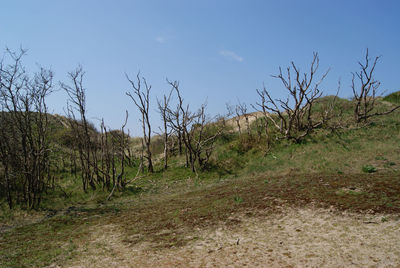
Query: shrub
238	199
244	144
368	169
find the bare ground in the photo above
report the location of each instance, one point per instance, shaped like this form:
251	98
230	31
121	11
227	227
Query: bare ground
295	237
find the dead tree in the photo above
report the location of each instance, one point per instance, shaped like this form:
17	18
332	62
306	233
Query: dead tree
294	117
119	145
237	118
175	119
163	107
196	134
204	134
222	118
365	96
241	112
230	112
259	124
141	98
39	89
123	145
12	128
188	119
129	155
24	132
106	155
77	102
261	106
178	120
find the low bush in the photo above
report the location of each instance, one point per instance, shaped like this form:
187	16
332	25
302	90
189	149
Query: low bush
368	169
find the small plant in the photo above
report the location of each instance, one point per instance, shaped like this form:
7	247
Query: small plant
238	199
389	164
368	169
384	219
266	181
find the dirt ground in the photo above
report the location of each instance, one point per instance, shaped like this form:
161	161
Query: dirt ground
306	237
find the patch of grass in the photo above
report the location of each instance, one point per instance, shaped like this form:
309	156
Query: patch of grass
51	239
389	164
368	169
393	97
40	244
238	199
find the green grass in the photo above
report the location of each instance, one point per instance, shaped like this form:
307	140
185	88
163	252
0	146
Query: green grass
40	244
368	169
393	97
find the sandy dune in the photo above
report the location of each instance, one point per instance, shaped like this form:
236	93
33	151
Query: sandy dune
295	238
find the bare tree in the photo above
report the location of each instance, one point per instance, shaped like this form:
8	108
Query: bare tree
123	145
204	133
178	120
163	107
294	116
106	155
24	134
141	98
241	112
195	129
237	118
262	107
190	123
365	96
175	119
119	147
77	102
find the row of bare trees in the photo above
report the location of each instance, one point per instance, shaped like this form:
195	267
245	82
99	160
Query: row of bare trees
100	157
28	152
296	116
103	155
24	133
31	159
191	131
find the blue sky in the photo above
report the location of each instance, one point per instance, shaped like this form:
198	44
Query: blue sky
219	50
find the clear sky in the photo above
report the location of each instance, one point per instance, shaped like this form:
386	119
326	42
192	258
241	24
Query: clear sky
219	50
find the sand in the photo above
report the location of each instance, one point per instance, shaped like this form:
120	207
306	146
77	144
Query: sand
306	237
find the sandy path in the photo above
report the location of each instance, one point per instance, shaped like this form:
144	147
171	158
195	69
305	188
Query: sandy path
296	238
